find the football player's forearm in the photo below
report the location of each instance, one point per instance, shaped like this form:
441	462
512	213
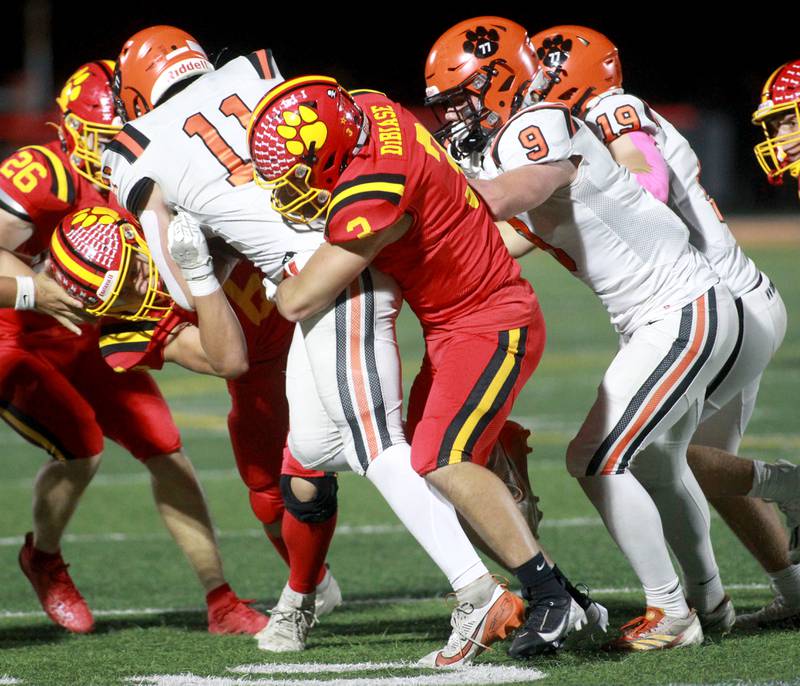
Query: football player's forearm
186	350
10	266
221	335
524	188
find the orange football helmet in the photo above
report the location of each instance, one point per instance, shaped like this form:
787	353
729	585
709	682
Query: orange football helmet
88	120
100	258
478	74
580	63
778	114
302	135
150	63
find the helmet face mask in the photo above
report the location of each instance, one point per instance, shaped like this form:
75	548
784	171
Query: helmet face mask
101	258
778	114
88	121
302	135
478	74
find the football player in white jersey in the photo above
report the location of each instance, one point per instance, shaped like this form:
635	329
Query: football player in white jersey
585	75
183	164
676	324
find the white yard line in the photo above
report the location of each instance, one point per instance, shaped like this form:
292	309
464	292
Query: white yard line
341	530
474	674
399	600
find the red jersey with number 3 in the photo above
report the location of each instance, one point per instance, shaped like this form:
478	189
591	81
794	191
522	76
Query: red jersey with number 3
40	187
451	264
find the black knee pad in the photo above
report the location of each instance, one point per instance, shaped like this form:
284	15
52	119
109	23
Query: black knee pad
315	511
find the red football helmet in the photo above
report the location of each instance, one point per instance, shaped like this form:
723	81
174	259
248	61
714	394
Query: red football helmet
151	62
88	120
478	74
301	136
778	114
101	258
580	63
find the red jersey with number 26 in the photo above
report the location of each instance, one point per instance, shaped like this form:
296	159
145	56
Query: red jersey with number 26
451	264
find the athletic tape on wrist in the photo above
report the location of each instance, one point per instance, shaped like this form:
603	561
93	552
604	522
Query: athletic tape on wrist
204	286
26	293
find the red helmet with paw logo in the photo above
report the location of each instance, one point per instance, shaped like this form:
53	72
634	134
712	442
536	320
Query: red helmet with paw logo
579	63
100	257
479	72
150	63
88	121
301	137
778	114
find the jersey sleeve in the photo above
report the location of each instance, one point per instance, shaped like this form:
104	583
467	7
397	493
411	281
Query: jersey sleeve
537	135
129	179
616	115
365	205
127	345
36	186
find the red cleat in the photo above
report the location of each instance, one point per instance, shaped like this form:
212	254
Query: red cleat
57	593
229	614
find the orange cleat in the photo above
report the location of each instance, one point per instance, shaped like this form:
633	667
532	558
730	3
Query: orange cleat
476	628
57	593
229	614
656	631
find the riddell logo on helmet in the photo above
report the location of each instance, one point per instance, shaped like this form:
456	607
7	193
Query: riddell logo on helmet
108	284
183	68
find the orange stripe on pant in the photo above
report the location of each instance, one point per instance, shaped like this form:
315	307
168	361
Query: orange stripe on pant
662	390
357	371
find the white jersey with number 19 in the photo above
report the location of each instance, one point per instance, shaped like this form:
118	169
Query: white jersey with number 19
194	147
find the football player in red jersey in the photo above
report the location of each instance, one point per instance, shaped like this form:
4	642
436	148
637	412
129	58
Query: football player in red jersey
143	328
55	389
392	197
778	114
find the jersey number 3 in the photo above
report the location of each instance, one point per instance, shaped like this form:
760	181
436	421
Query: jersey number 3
239	171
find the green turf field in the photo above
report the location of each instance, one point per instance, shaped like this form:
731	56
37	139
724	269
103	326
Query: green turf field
149	608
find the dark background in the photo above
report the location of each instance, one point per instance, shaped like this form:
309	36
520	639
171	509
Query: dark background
672	54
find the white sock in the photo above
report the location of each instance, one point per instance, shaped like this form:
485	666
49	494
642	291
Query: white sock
686	522
775	481
428	516
668	597
479	592
631	517
787	584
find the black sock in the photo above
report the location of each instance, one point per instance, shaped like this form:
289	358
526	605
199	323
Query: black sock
537	579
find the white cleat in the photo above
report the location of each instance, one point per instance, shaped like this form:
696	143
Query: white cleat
720	620
329	595
779	611
290	621
590	624
656	631
476	628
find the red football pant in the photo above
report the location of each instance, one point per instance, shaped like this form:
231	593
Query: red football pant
465	391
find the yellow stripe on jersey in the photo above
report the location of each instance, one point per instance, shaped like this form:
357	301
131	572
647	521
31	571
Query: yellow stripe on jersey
31	434
124	338
62	179
369	187
361	91
73	266
488	399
